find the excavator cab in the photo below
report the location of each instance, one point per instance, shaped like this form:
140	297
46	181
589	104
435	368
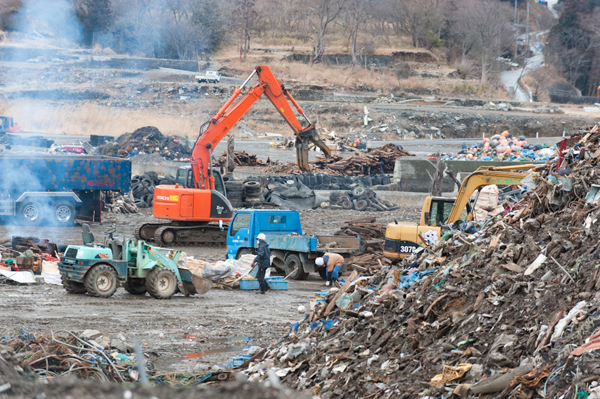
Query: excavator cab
185	178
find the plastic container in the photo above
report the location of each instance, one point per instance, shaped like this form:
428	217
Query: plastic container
277	283
249	284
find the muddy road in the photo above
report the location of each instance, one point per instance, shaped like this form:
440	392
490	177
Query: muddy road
221	322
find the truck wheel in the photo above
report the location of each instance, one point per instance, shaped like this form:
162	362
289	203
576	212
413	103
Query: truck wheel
161	283
63	214
323	272
292	262
135	287
101	281
30	213
243	251
73	287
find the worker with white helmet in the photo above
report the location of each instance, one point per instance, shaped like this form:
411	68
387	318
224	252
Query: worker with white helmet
263	261
333	262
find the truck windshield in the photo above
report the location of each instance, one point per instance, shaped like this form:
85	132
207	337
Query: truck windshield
241	221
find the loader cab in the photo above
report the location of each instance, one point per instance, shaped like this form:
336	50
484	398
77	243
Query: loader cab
436	211
185	178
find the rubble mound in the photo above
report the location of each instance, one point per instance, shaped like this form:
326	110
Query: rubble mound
376	161
149	140
510	311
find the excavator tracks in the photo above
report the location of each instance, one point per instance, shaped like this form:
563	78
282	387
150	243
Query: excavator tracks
174	235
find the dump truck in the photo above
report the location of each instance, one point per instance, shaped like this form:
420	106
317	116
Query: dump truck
99	269
36	190
294	252
402	239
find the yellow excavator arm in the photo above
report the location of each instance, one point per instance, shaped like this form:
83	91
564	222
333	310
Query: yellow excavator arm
485	176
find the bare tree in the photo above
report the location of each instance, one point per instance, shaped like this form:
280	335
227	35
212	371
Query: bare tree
486	21
244	16
324	12
419	19
357	13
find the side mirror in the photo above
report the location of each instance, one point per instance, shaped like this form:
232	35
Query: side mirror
221	225
427	218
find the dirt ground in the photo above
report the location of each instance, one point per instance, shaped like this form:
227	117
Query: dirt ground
172	328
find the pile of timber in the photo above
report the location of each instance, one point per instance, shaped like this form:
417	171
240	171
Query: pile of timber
361	163
241	158
372	234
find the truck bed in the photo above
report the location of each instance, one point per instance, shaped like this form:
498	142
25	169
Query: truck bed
298	243
338	244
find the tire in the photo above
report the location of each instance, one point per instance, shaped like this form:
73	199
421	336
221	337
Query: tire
361	205
101	281
359	191
323	272
233	184
292	261
347	205
135	286
30	213
161	283
243	251
344	198
63	214
252	185
73	287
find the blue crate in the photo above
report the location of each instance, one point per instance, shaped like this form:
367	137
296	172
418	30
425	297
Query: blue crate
277	283
249	284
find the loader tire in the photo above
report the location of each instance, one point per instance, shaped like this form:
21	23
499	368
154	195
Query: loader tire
101	281
161	283
73	287
135	287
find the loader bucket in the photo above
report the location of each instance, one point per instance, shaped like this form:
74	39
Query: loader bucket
194	284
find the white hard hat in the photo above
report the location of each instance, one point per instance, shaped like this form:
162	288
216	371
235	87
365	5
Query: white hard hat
261	236
319	261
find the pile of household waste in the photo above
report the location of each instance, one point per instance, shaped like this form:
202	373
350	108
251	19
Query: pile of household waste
510	311
28	260
360	198
223	274
376	161
91	363
142	187
501	147
149	140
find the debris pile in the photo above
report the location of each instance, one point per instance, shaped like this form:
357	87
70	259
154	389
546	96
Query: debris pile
361	199
372	234
379	160
241	158
30	366
512	310
149	140
118	203
501	147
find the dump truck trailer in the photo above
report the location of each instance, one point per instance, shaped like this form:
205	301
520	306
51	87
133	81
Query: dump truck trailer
36	190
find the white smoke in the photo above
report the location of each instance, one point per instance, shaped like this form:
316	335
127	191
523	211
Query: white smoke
53	19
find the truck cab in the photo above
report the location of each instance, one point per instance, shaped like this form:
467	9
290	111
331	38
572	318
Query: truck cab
293	252
185	178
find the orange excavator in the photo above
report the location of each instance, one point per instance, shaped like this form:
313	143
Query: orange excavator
196	204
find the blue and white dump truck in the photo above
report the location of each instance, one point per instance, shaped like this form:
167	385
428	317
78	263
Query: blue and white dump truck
37	190
294	252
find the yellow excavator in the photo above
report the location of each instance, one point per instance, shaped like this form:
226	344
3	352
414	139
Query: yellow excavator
404	238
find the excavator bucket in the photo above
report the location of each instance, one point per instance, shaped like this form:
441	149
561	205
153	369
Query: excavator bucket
194	284
302	144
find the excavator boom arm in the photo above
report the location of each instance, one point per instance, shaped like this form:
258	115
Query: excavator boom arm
484	176
229	115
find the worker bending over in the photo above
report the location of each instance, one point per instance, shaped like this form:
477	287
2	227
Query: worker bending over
334	263
263	260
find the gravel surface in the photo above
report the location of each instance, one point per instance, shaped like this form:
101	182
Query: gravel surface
163	326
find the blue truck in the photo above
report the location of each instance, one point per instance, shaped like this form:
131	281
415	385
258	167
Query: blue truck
38	190
294	252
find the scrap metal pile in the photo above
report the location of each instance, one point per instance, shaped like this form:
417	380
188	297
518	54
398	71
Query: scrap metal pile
511	311
149	140
377	161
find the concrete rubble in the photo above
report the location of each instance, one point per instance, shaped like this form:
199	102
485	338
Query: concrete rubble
509	311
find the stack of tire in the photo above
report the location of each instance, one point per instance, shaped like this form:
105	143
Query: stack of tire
235	193
253	194
142	187
360	198
331	182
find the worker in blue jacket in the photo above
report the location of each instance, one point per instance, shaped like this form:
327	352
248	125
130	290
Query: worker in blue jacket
263	260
